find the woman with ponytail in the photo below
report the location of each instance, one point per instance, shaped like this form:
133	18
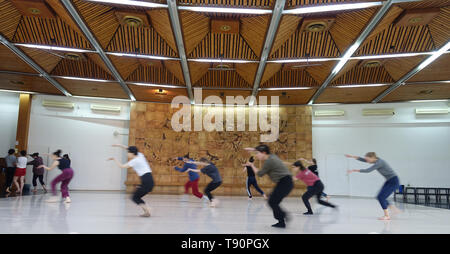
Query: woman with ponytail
64	178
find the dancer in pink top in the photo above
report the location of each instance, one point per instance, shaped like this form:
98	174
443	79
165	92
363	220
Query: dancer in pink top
313	181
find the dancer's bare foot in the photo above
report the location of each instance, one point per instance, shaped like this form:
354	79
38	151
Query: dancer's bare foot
394	209
8	190
52	200
67	200
385	218
214	203
265	196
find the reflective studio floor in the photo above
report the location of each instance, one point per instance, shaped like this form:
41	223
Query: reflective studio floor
113	213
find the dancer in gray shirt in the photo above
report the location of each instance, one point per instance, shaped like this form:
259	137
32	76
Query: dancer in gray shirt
391	184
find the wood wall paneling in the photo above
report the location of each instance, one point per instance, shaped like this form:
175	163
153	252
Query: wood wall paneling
23	122
151	132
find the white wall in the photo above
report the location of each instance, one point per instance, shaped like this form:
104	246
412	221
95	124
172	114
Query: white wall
86	136
9	112
416	147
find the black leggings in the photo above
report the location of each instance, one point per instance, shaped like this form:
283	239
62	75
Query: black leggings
251	180
41	180
9	176
317	190
281	190
145	187
210	187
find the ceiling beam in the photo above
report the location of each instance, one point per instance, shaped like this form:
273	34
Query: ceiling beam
367	30
87	32
176	27
413	72
33	64
270	37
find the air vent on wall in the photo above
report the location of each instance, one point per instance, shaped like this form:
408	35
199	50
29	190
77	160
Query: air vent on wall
324	113
58	104
102	107
431	111
378	112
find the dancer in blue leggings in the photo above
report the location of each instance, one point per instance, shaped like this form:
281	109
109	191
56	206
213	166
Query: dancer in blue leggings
391	184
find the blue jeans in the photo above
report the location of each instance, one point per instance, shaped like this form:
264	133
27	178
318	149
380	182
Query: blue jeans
388	188
323	194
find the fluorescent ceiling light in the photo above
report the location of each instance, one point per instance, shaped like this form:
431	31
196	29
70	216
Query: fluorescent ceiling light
225	10
214	60
56	48
331	7
429	101
304	60
16	91
435	55
359	85
133	3
142	56
155	85
100	98
285	88
84	79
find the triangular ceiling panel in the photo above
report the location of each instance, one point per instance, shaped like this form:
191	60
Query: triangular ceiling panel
160	21
247	71
440	27
154	75
84	68
228	46
223	79
104	25
253	30
291	78
198	70
10	18
288	25
364	75
37	30
399	39
303	44
195	28
46	59
348	26
125	65
141	40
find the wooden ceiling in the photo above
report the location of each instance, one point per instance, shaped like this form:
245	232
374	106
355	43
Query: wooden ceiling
411	27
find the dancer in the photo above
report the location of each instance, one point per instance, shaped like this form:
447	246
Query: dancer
11	163
313	168
21	170
139	163
391	184
66	156
193	176
38	173
64	178
278	173
210	170
312	181
251	180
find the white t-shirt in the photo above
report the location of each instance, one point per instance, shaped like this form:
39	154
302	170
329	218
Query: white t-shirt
22	162
140	165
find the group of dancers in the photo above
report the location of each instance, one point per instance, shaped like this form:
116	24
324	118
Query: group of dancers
272	165
16	171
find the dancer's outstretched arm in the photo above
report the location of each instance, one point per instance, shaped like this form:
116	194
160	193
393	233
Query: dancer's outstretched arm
120	145
54	165
307	161
120	165
194	170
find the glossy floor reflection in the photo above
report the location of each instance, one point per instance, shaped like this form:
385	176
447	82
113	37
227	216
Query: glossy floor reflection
113	212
